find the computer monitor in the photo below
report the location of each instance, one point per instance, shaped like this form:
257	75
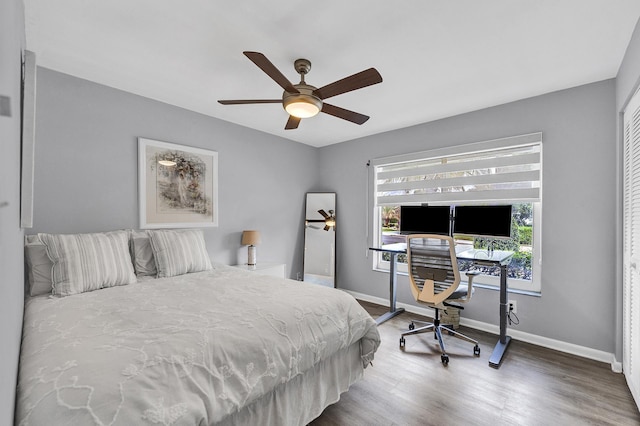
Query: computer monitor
483	221
425	220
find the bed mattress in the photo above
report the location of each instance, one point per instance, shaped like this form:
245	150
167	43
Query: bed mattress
204	348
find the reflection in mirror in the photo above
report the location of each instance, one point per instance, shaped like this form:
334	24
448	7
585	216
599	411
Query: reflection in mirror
320	239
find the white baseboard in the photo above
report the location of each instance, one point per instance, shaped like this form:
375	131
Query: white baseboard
534	339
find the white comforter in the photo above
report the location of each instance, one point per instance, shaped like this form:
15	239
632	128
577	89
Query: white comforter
191	349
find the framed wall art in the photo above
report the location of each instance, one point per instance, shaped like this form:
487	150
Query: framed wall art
177	185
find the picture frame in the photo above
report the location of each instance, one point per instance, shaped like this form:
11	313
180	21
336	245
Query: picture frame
177	185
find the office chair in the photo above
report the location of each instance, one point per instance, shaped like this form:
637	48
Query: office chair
435	282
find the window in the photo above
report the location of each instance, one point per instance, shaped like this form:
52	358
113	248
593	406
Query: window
504	171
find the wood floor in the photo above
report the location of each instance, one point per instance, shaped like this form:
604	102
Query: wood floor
533	386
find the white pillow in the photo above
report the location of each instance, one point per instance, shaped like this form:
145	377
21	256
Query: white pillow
86	262
179	252
142	254
38	266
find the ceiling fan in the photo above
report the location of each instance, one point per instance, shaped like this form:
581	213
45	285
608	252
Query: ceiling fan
303	100
329	220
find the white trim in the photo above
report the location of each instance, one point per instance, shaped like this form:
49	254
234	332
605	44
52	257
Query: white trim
29	80
545	342
616	367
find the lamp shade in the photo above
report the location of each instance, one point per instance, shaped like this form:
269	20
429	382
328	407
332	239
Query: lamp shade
250	238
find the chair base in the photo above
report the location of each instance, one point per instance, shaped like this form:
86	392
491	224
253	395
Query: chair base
437	328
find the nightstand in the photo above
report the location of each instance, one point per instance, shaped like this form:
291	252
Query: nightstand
266	268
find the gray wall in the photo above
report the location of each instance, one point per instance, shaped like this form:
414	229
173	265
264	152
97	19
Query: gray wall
11	236
627	82
86	168
578	217
86	181
628	78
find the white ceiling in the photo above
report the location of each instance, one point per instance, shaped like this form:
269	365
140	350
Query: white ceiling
438	58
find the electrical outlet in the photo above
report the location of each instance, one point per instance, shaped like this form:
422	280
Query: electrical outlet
512	306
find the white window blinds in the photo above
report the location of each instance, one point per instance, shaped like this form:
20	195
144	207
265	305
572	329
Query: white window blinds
506	169
631	241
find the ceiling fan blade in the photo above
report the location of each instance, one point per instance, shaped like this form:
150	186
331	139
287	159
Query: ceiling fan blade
249	101
292	123
323	213
356	81
345	114
265	65
327	227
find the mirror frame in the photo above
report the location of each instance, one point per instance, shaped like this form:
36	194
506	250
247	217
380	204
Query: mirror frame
313	216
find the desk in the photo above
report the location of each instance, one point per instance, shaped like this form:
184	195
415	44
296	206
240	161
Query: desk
478	257
496	258
394	250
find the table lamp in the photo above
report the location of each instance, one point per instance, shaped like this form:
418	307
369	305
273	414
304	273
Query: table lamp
251	239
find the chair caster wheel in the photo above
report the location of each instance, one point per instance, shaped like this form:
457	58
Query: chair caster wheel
476	350
402	342
412	326
445	359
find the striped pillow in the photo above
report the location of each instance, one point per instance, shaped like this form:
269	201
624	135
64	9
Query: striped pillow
38	266
179	252
86	262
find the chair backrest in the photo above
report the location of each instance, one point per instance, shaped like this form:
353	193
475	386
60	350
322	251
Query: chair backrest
433	267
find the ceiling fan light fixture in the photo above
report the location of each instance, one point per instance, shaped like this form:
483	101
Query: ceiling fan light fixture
303	100
302	106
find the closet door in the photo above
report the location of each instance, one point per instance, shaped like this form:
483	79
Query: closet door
631	255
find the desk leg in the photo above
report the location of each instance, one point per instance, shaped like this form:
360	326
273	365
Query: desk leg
504	340
393	311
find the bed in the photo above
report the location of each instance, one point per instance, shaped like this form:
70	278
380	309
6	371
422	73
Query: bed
215	346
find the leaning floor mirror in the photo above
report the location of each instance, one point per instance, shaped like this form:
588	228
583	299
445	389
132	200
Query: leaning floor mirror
320	239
